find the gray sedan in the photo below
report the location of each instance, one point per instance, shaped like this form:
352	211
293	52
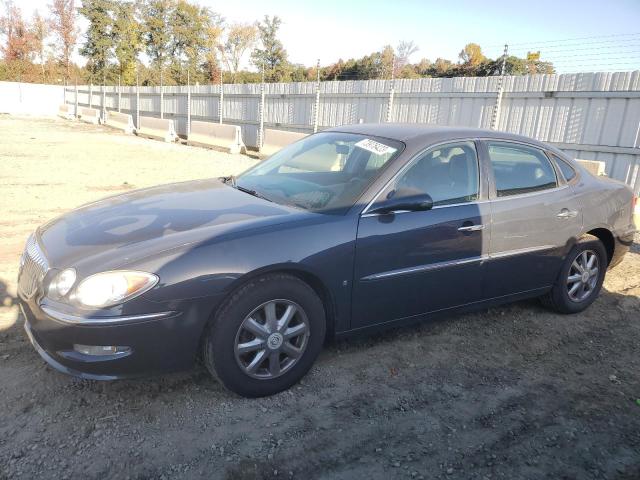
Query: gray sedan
349	230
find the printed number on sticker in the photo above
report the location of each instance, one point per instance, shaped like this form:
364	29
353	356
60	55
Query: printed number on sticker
375	147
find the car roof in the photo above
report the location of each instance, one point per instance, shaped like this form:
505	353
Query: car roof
410	133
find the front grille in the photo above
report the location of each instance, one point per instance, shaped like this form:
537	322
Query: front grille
33	267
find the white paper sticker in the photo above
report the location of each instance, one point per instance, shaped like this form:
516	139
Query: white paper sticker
375	147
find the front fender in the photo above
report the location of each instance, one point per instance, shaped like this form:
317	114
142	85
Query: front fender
320	248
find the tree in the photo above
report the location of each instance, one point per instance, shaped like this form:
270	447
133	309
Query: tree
188	38
385	60
272	56
39	33
240	38
18	40
63	25
156	16
98	44
403	53
18	47
333	71
213	33
472	56
442	67
422	67
127	41
536	66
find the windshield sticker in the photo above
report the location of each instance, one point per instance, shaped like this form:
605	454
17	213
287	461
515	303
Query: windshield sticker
375	147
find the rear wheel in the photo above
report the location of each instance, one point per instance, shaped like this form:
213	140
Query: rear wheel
581	277
266	336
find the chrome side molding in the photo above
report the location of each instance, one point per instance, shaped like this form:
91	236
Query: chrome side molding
455	263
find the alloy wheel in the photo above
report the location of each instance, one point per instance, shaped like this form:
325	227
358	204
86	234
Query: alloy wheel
271	339
583	275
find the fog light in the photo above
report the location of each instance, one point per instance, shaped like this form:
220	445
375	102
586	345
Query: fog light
101	350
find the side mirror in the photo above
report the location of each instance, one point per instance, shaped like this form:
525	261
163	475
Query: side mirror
412	203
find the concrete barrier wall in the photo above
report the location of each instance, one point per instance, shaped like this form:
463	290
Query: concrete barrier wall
89	115
121	121
66	111
593	166
158	128
275	140
31	99
216	135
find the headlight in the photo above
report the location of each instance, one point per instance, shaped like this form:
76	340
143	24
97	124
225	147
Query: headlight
110	288
62	283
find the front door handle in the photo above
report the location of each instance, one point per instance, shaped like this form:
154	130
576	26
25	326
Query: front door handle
471	228
565	213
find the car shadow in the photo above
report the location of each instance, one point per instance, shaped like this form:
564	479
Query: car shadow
6	299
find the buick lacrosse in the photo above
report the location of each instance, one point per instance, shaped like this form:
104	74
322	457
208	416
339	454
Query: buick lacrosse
348	230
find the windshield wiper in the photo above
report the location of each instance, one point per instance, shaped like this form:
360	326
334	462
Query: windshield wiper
251	192
231	181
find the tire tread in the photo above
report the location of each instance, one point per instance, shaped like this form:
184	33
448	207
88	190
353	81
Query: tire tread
230	302
550	300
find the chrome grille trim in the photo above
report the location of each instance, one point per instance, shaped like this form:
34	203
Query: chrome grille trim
33	268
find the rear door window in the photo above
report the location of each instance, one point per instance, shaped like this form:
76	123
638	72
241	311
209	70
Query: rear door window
567	170
519	169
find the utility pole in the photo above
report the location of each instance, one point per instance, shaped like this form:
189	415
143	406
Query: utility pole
137	98
75	98
221	105
261	112
188	104
391	90
316	108
104	97
119	94
161	95
495	118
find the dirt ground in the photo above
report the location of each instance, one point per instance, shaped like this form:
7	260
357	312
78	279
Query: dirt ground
514	392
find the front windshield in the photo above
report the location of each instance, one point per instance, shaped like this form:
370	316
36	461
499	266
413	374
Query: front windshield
325	172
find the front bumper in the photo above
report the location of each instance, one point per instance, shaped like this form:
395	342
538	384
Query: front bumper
156	343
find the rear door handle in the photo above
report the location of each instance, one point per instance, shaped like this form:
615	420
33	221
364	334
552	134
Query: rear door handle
567	213
471	228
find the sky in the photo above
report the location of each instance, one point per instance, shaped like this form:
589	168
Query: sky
585	35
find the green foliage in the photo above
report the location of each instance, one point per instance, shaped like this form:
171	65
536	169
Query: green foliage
473	63
98	43
240	37
188	26
156	15
186	41
127	41
272	56
377	65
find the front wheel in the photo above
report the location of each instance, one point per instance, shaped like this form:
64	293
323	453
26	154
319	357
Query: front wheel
581	277
266	336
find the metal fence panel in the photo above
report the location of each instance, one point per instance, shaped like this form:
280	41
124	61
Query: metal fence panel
593	115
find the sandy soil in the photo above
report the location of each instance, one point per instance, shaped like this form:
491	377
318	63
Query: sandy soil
512	392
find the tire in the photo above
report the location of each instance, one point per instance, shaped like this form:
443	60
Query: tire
231	332
560	297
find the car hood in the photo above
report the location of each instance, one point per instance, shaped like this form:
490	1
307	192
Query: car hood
121	228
